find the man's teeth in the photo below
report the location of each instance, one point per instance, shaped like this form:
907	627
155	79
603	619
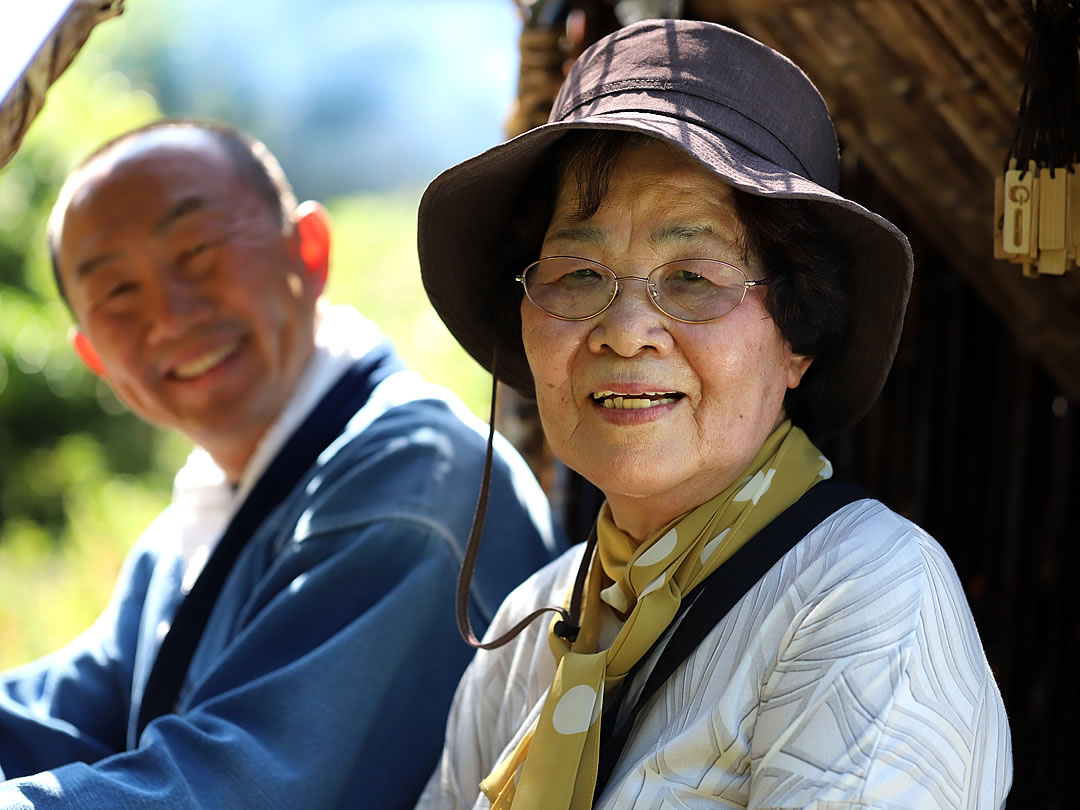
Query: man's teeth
649	399
201	365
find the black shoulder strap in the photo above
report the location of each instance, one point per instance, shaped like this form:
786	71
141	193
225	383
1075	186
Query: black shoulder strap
715	597
324	424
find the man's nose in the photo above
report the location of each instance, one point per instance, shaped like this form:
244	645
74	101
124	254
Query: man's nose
179	304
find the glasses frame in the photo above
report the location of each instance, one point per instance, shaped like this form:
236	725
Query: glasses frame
652	296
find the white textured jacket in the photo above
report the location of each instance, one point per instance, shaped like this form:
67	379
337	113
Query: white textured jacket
850	676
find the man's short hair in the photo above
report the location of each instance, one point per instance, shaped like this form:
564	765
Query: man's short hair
250	158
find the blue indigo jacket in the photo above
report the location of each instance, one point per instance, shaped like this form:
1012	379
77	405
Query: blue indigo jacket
326	669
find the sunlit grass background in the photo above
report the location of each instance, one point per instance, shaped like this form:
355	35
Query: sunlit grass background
53	587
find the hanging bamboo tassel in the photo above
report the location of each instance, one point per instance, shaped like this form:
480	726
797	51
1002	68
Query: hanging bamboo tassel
1037	197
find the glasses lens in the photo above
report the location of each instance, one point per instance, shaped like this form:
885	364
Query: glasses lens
698	289
568	287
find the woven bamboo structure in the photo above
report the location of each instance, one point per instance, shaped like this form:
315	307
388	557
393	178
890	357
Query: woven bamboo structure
26	98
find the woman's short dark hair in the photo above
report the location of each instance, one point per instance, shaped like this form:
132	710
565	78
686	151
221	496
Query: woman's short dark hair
809	293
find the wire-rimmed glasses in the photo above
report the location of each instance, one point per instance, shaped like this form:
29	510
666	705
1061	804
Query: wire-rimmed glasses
571	288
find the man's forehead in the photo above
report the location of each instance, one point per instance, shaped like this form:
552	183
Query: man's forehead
181	160
152	144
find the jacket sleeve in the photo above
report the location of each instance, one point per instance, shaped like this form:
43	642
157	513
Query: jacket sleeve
316	695
881	695
73	704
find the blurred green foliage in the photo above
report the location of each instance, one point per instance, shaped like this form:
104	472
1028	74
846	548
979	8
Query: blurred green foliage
374	268
80	476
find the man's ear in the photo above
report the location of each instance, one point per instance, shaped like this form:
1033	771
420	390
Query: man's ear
313	234
86	351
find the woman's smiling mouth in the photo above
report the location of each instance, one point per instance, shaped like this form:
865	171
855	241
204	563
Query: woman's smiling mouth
646	399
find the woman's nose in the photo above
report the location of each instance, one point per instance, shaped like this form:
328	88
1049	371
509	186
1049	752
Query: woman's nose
632	323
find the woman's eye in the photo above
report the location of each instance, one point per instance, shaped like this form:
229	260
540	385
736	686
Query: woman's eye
686	275
583	274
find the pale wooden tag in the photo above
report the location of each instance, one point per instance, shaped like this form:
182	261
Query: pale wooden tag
1019	202
1052	262
1036	213
1052	210
1074	212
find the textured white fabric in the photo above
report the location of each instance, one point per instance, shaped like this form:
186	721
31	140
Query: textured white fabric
204	498
850	676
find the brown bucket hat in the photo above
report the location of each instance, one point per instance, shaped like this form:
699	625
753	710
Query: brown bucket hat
747	114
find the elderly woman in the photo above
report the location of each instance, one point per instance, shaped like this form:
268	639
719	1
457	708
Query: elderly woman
667	267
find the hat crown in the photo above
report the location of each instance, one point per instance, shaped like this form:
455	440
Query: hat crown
748	115
711	76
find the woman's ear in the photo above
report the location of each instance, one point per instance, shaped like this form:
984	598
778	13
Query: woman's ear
313	234
797	368
86	351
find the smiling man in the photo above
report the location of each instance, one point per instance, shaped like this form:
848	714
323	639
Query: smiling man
283	634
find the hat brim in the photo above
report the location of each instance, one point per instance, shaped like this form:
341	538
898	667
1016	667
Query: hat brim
463	225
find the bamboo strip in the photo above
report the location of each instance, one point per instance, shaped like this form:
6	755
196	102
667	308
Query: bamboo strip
912	38
905	180
907	128
980	46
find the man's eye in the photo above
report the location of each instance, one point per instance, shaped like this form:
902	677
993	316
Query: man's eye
204	248
121	289
192	252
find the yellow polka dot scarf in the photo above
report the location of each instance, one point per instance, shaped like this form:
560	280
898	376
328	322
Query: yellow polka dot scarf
554	766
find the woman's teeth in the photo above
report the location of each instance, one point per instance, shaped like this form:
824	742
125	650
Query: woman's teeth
648	399
201	365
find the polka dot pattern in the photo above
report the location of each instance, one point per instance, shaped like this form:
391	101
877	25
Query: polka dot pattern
576	710
713	544
757	486
658	551
615	596
655	585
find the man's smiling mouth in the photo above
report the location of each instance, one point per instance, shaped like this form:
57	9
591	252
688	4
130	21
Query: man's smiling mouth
646	399
204	363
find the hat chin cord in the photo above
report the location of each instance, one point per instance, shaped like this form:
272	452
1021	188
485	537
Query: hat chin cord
569	625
